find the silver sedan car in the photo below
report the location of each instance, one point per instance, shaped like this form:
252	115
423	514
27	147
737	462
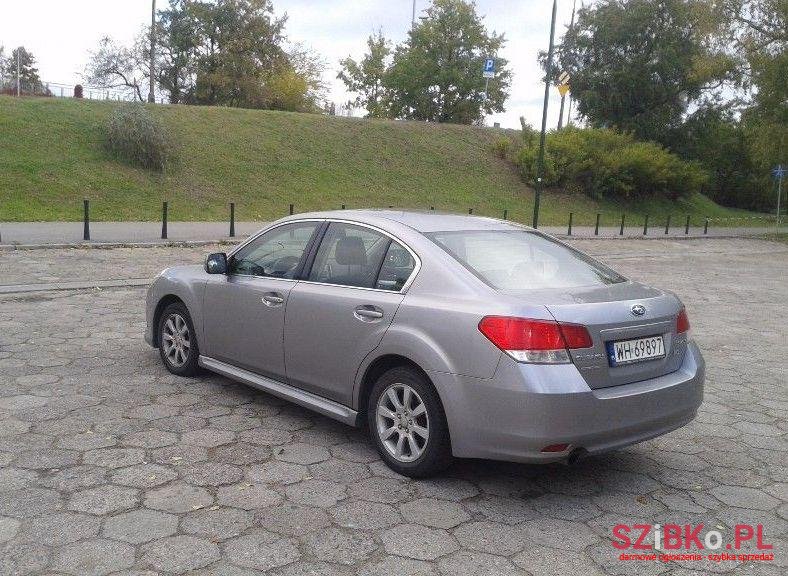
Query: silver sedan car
444	335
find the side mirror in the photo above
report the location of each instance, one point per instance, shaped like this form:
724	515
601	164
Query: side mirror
216	263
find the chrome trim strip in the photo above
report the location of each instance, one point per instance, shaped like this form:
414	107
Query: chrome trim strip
301	397
402	290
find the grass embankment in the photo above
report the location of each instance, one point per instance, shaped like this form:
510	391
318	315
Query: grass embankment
51	157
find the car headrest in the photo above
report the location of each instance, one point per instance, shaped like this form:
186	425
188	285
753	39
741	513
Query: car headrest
351	252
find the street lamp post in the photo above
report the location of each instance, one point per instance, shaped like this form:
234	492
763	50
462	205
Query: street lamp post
151	95
547	82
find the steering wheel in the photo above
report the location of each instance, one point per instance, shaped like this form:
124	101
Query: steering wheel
281	267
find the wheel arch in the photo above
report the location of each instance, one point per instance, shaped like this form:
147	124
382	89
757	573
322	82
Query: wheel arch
163	302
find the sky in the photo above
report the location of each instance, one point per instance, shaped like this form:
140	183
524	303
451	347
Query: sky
60	34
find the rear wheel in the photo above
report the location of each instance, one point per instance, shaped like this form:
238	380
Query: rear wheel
177	341
407	423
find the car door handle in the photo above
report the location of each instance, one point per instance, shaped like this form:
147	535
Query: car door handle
272	299
365	313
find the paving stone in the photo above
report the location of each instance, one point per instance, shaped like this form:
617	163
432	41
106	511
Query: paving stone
383	490
14	478
60	528
139	526
551	562
433	512
150	439
242	454
397	566
27	502
208	438
261	551
248	496
560	534
363	515
340	546
275	472
340	471
216	523
302	453
178	498
114	457
742	497
180	554
104	499
46	458
26	558
316	493
86	441
311	569
212	474
143	475
8	528
292	520
491	537
478	564
418	542
93	557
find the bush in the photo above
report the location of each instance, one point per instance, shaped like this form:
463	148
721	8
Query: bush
501	147
606	163
135	136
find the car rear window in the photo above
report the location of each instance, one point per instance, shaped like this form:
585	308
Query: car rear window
523	259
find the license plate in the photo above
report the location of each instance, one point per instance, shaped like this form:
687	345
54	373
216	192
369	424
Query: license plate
636	350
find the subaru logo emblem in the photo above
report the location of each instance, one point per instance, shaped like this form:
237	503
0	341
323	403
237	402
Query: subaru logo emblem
638	310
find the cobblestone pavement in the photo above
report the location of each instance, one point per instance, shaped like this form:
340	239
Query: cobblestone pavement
109	465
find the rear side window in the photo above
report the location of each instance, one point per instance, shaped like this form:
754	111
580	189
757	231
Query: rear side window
521	259
397	267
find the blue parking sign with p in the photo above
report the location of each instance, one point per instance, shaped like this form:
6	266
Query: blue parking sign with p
489	65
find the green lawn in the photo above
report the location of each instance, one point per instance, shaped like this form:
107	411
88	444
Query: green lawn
51	157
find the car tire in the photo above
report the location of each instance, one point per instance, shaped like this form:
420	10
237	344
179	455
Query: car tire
178	345
403	408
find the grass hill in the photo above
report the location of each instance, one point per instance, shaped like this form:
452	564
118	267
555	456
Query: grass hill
51	157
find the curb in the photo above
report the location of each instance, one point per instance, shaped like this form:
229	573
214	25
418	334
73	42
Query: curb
112	245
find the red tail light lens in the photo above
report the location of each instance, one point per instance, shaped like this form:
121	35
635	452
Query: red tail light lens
528	340
682	322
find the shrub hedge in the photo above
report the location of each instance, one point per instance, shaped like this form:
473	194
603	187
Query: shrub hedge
604	163
135	136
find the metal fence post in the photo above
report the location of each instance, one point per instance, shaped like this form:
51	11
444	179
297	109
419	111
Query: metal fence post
569	229
596	228
505	214
470	210
86	219
706	227
686	227
621	230
291	209
232	219
432	207
645	226
667	225
164	220
343	206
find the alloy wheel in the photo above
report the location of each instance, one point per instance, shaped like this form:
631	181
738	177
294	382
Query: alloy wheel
402	422
176	340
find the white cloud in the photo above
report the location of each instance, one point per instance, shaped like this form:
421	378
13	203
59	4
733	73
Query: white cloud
61	33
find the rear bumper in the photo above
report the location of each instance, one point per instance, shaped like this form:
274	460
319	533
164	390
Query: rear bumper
524	408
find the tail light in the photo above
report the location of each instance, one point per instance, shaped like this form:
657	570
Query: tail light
682	322
536	341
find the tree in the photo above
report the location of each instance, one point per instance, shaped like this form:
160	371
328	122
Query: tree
436	75
176	50
638	65
240	44
367	78
29	81
114	66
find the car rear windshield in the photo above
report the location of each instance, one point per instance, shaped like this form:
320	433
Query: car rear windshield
522	259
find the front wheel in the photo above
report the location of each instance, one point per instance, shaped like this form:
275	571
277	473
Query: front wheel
407	423
177	341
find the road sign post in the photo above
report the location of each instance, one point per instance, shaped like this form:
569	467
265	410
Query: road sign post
488	71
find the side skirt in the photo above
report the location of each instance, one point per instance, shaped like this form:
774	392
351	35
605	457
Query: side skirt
314	402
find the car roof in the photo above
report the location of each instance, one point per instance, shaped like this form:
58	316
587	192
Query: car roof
424	221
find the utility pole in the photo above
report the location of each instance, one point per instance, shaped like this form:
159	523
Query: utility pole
413	16
571	27
18	90
547	82
151	96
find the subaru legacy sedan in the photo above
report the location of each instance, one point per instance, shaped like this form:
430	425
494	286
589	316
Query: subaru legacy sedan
444	335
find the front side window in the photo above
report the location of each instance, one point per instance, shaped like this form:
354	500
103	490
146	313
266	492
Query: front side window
522	260
275	254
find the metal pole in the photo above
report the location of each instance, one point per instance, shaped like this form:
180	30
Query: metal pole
571	27
164	220
291	209
470	210
621	230
232	219
667	225
596	229
686	227
569	230
413	16
547	82
151	97
779	196
645	226
505	214
706	227
18	90
561	113
86	219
